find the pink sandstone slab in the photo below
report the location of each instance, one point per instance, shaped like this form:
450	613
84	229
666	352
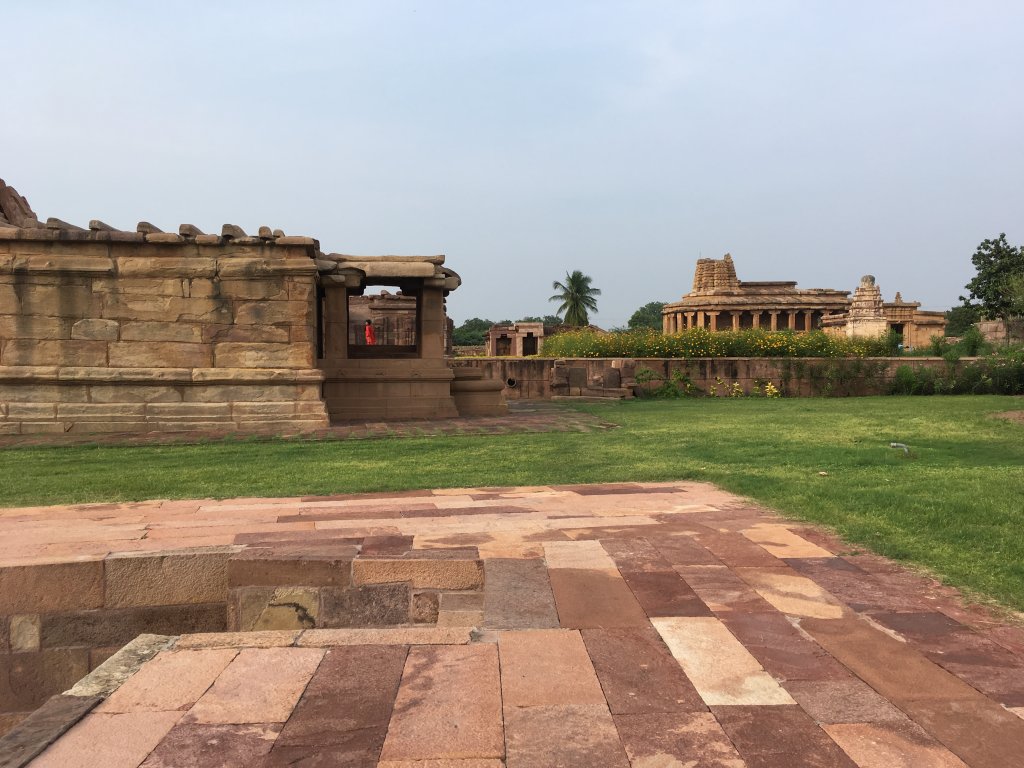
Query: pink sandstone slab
471	763
261	685
638	674
565	735
720	668
263	639
792	594
546	666
693	739
109	741
890	745
345	709
173	680
782	542
780	737
577	554
194	745
722	590
843	701
592	599
327	638
448	705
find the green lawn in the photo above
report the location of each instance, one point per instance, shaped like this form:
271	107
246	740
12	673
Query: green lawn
955	505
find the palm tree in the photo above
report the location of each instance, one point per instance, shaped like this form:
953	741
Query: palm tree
577	297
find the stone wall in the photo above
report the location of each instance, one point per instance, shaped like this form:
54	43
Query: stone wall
544	378
59	621
104	330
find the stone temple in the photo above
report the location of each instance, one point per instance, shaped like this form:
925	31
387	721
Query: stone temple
107	330
719	301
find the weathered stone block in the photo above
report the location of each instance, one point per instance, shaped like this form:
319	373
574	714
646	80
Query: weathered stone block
42	427
32	411
128	393
51	587
424	608
144	286
33	326
253	289
432	574
29	679
99	330
191	333
58	300
263	411
227	393
101	628
101	411
300	288
58	352
182	577
25	632
44	393
240	355
166	266
259	334
167	309
250	267
270	312
169	354
201	411
368	606
8	296
258	566
268	608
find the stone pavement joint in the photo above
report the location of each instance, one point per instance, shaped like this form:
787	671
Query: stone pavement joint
623	625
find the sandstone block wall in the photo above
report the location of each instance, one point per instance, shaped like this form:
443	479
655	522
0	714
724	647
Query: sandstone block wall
59	621
105	331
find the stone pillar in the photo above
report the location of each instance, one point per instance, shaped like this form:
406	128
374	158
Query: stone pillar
691	319
714	320
755	318
775	319
791	319
808	317
735	321
700	318
431	320
335	322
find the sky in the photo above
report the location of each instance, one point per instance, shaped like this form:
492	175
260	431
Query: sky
814	141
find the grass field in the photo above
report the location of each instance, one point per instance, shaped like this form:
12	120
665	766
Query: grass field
955	504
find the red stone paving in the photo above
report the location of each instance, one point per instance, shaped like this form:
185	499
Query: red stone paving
643	625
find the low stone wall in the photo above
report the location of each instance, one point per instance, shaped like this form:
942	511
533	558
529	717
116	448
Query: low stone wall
59	621
106	331
537	378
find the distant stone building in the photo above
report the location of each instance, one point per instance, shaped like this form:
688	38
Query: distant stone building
515	339
719	301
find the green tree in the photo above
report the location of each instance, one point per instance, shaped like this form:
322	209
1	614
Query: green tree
576	297
471	333
547	319
648	316
959	319
998	286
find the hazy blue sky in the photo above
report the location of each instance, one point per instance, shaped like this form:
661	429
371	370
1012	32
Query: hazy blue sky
815	141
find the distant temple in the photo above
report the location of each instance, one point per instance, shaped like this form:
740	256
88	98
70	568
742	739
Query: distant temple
720	301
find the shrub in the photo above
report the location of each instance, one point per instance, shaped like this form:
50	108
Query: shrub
700	342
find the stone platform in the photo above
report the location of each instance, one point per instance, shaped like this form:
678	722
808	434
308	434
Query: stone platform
652	625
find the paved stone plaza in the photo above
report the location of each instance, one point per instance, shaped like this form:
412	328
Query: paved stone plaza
652	625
